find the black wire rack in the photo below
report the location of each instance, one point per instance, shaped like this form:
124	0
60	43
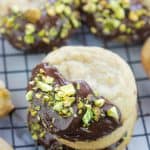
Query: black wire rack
15	70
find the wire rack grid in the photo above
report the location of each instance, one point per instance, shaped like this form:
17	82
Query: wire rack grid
15	70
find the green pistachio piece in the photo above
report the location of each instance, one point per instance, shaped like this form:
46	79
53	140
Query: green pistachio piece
122	28
67	1
99	102
96	112
29	28
119	13
38	95
53	32
29	39
93	30
59	8
10	22
51	11
69	101
42	134
44	87
139	24
47	79
112	112
41	33
29	95
87	116
90	7
80	105
78	86
33	113
35	136
133	16
2	30
46	40
67	11
68	89
58	106
37	108
64	33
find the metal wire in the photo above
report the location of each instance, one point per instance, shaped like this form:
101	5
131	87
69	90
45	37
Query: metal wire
83	33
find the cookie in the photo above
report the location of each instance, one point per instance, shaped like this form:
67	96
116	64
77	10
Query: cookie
122	20
82	98
6	105
40	29
4	145
145	56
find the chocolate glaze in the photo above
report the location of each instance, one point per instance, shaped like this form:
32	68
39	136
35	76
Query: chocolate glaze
70	128
140	34
39	45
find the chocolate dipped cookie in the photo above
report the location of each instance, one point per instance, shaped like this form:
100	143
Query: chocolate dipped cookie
122	20
82	99
40	29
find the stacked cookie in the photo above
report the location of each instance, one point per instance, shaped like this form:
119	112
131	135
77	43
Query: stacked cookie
35	29
83	101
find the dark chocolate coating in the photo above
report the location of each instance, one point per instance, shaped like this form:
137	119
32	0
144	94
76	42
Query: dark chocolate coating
70	128
136	34
46	22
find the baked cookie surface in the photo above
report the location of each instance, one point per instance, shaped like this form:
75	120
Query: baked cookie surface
107	78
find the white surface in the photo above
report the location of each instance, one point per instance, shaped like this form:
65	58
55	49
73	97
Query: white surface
17	69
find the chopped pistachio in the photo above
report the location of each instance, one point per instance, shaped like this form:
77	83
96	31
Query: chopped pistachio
80	105
67	11
68	89
139	24
53	32
51	11
133	16
2	30
69	101
78	86
59	8
67	1
44	87
64	33
112	112
90	7
93	30
46	40
35	136
80	111
38	95
10	22
29	39
42	134
42	71
87	116
37	108
96	112
41	33
99	102
58	106
33	113
48	80
29	95
122	28
119	13
29	28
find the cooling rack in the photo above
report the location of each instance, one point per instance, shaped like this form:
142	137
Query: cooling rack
15	70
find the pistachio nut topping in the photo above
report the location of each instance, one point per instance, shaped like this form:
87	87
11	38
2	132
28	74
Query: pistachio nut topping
112	18
49	92
41	29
